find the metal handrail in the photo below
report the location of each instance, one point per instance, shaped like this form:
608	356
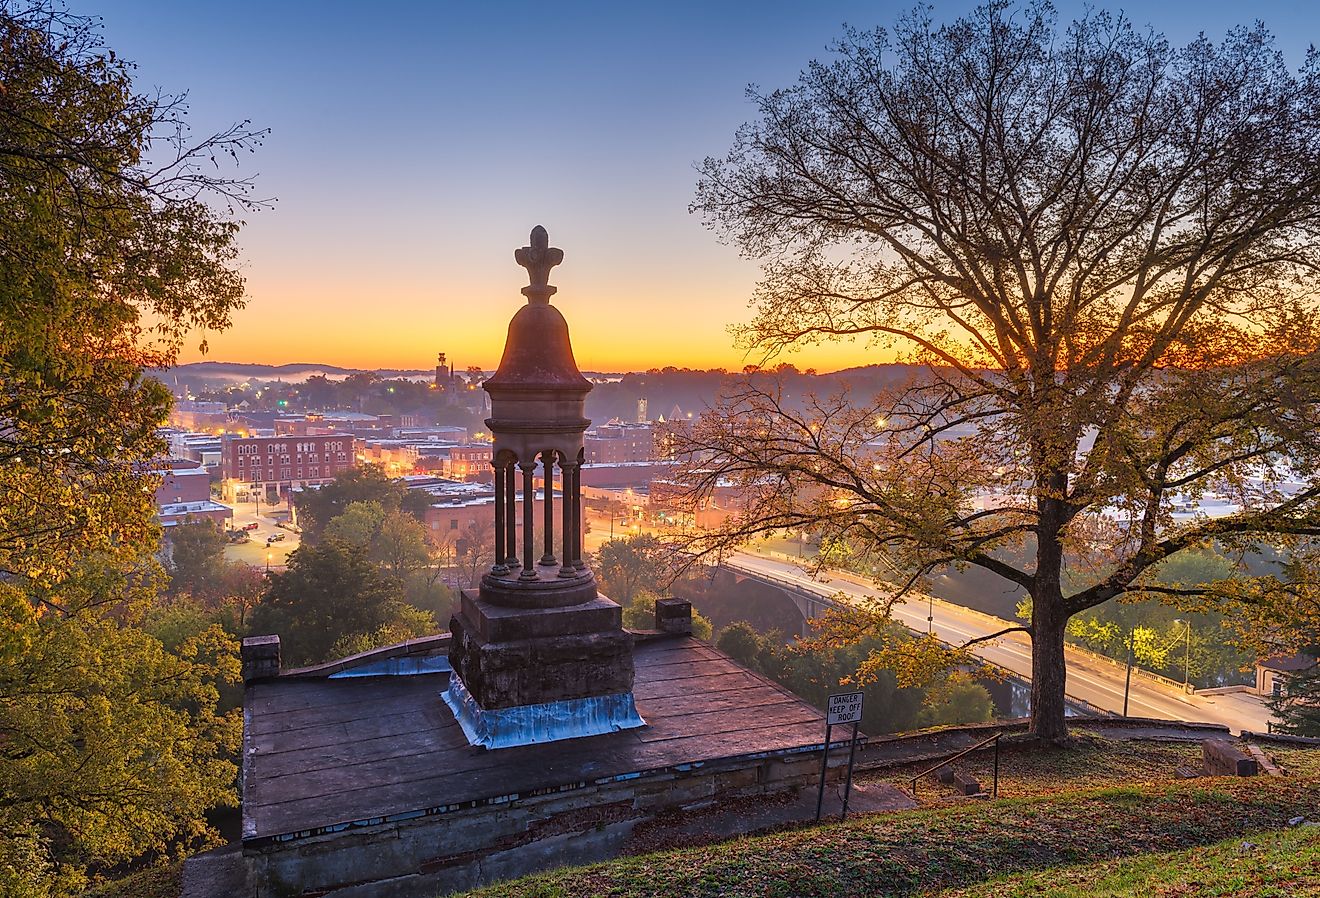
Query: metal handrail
982	744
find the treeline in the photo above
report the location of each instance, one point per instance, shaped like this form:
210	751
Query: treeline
364	392
632	569
693	390
119	732
367	574
1194	641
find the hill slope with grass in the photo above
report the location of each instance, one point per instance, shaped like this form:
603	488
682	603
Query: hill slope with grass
924	852
1102	818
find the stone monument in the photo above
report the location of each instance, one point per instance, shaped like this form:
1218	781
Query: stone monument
537	654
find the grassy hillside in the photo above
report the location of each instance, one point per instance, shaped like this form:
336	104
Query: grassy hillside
1277	864
922	852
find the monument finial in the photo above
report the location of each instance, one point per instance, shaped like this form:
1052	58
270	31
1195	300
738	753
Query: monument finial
538	259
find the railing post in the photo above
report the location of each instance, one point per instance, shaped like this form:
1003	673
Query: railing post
824	765
996	793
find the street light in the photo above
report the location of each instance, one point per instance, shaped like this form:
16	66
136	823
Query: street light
1187	656
268	562
1127	677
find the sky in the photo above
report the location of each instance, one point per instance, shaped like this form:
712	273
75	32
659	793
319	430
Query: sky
414	145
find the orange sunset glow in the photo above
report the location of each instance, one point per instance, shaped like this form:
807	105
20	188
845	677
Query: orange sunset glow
626	313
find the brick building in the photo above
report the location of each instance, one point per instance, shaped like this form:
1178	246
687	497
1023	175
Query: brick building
184	495
469	463
277	464
183	484
617	443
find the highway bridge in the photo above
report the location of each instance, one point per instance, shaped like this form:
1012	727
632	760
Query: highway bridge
1092	679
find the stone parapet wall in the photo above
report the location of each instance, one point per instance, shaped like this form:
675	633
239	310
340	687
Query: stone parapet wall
469	846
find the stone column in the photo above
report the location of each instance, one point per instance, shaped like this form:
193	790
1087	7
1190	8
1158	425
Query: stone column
510	518
578	563
566	469
548	469
529	518
500	536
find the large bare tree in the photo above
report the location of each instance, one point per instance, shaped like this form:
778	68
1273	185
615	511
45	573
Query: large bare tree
1100	248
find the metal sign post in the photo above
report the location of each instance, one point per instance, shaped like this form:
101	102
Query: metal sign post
844	708
824	763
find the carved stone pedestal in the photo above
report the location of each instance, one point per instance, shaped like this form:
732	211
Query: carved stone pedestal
529	675
528	656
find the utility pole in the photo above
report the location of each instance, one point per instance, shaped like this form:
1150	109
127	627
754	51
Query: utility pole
1127	680
1187	659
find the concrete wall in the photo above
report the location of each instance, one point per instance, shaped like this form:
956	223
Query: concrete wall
469	847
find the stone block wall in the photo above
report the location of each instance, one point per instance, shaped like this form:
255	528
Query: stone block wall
464	848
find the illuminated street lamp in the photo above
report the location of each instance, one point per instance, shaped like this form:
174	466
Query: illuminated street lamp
1187	656
268	562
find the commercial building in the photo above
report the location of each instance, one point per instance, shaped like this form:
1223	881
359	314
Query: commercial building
395	457
253	466
186	512
618	443
184	484
198	414
469	463
184	494
1272	674
203	448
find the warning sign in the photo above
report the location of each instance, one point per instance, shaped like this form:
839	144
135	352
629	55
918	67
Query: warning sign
846	707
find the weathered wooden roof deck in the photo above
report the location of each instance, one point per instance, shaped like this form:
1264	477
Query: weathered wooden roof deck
323	755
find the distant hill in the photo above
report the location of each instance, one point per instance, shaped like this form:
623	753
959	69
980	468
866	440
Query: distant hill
293	371
668	392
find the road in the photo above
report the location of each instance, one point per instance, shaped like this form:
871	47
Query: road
1096	681
255	550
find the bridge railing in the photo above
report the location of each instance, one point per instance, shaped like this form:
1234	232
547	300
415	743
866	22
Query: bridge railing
998	622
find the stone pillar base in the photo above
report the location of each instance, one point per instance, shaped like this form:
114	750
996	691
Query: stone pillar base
533	724
512	657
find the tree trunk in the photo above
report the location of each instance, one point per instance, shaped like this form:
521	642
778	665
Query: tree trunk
1048	617
1048	673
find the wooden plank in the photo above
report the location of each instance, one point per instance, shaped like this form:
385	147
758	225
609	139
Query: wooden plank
736	696
298	695
353	753
714	723
715	682
281	719
398	724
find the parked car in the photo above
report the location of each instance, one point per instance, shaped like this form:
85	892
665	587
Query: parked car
253	526
239	536
274	537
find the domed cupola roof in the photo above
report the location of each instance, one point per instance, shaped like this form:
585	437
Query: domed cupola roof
538	354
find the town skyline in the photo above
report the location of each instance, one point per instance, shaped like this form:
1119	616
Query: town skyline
410	149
